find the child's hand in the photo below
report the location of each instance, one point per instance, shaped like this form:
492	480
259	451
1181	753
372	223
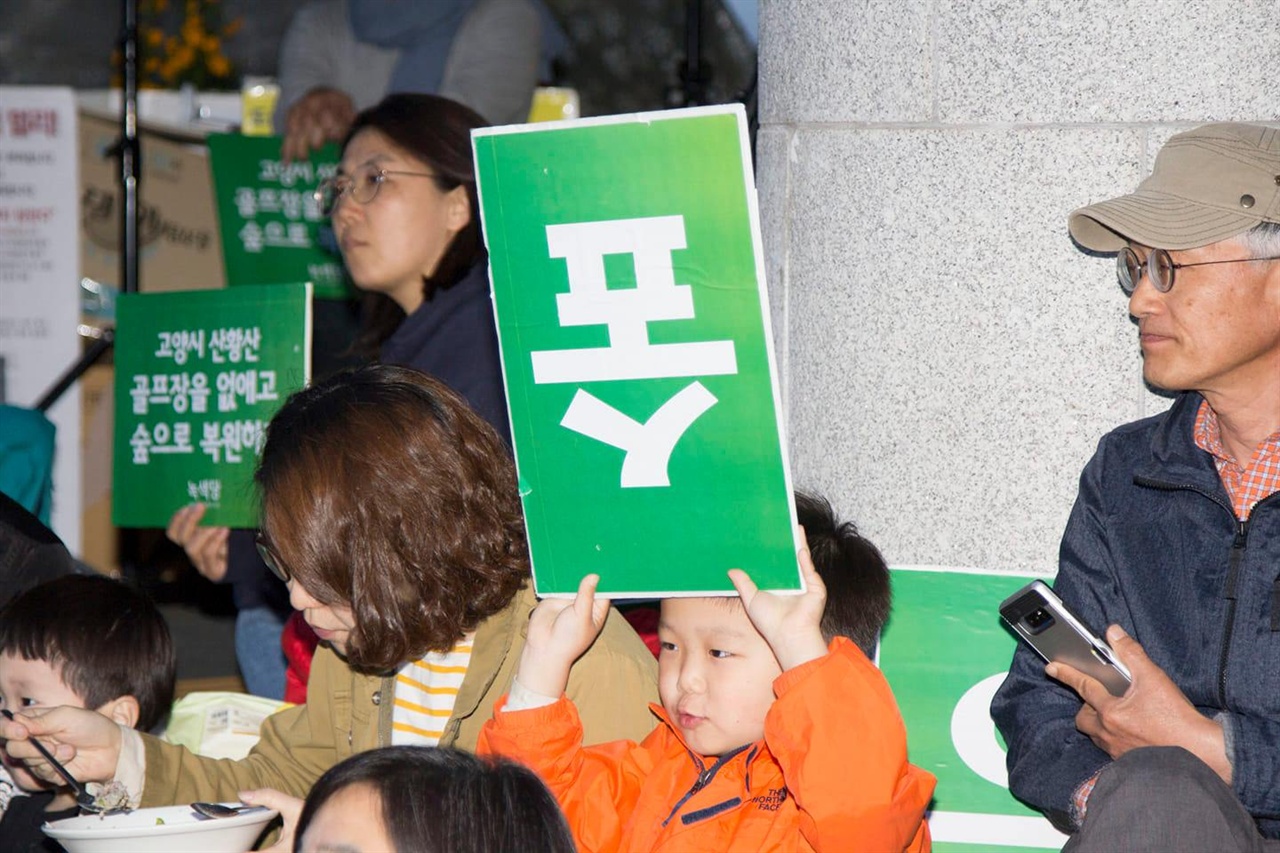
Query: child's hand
559	632
789	623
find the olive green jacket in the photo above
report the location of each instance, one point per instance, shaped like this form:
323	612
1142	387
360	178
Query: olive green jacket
347	712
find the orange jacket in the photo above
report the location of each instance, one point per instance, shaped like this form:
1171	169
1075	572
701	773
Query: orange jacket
830	774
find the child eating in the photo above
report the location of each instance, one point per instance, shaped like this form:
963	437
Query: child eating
85	641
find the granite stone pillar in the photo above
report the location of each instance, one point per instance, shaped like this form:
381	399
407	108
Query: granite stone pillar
949	358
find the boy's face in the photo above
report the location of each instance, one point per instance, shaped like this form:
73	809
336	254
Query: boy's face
30	684
715	673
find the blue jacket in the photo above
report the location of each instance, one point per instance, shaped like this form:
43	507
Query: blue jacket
452	336
1153	545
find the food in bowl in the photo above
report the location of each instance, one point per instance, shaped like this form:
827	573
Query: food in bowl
167	829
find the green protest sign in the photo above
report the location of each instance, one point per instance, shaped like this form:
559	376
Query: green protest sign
198	376
628	286
946	652
268	214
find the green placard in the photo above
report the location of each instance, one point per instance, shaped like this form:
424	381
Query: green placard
627	279
268	215
199	375
945	652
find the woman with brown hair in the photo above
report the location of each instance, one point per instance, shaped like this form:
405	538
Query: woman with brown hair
406	216
391	510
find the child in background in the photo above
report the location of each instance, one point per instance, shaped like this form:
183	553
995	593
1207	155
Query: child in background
87	641
774	734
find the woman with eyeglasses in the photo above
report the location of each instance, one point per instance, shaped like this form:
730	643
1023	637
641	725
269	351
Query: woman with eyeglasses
392	512
407	219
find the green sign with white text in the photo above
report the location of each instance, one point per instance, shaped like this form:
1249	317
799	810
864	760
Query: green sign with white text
199	375
945	652
269	217
632	316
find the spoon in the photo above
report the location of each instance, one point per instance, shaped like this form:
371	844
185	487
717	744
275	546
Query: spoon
86	801
217	810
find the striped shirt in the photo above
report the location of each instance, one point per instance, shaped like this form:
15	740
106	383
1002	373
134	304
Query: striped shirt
426	691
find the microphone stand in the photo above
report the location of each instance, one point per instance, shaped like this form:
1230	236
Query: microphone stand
130	155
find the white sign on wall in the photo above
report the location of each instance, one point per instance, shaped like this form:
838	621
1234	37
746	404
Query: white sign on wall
40	273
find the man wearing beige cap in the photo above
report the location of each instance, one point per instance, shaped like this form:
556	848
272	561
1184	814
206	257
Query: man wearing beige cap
1174	540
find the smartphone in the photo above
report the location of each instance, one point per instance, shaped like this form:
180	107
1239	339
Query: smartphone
1040	619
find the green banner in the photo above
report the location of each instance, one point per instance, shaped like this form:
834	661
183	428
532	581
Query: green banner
199	375
946	652
269	217
628	285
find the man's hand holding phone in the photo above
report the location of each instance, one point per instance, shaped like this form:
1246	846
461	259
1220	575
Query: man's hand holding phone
1152	712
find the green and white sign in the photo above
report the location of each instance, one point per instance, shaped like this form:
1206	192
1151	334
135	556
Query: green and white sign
633	321
268	214
946	652
199	375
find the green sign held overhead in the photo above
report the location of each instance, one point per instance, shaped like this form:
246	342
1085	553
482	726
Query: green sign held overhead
632	316
945	652
268	214
198	377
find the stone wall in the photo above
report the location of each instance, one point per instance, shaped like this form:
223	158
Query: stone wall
949	357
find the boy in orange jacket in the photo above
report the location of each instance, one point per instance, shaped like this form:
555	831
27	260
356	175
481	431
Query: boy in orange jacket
772	736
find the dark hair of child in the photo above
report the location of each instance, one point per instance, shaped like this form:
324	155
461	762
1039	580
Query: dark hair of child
105	638
856	576
439	800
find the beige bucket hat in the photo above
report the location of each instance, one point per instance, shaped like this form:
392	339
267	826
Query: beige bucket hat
1208	184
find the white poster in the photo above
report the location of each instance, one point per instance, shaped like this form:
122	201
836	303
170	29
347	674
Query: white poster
40	273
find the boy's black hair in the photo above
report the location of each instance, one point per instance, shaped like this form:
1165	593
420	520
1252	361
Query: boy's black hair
856	577
106	640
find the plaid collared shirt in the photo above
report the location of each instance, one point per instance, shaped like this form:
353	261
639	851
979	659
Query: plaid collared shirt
1245	485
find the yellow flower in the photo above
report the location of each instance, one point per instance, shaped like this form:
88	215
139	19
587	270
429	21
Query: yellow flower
184	58
232	28
219	66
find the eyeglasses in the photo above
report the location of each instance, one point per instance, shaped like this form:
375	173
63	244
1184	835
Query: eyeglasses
1159	267
268	555
362	185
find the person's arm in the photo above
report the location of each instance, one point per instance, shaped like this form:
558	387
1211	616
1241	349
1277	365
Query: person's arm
297	745
313	107
548	736
493	61
1049	759
596	787
574	648
836	731
835	728
613	685
560	630
1152	712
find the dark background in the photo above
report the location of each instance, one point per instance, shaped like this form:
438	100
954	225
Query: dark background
623	55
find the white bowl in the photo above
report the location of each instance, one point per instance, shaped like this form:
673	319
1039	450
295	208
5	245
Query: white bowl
138	832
